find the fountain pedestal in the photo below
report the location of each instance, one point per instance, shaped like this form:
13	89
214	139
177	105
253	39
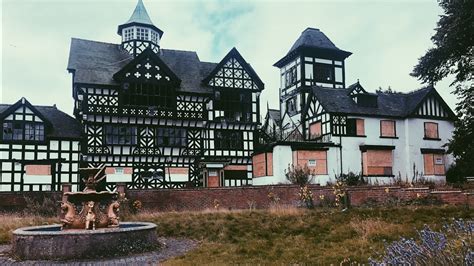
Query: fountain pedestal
92	232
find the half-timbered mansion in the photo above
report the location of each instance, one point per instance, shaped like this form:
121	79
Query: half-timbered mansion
336	129
162	118
39	147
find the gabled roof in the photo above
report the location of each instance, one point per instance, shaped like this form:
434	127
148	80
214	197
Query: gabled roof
61	125
96	62
312	39
397	105
233	53
275	115
22	102
356	87
148	54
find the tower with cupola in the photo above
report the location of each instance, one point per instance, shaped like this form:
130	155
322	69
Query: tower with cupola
312	60
139	32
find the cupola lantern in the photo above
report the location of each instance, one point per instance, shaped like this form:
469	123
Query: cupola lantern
139	32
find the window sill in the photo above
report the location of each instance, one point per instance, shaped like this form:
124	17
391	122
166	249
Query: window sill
435	139
356	136
378	175
387	137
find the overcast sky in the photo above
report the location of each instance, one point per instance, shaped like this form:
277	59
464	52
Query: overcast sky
385	37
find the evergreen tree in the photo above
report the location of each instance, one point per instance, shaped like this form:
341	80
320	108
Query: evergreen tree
453	54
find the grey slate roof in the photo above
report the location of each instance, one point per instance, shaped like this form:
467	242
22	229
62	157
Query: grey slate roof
312	37
389	104
96	62
275	115
63	125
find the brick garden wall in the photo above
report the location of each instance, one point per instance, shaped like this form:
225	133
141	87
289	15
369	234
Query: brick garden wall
244	197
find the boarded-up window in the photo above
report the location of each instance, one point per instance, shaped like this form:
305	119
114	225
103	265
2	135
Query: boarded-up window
355	127
387	128
377	162
431	130
360	127
33	169
315	130
262	164
315	160
434	164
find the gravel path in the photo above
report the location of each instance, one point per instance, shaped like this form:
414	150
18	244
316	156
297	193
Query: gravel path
172	247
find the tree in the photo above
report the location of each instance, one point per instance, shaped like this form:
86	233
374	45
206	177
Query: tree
453	54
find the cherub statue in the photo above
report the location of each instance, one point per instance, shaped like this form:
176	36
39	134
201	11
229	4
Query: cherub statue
92	181
90	215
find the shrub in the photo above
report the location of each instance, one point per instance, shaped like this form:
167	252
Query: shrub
42	206
299	175
451	246
306	197
352	179
455	175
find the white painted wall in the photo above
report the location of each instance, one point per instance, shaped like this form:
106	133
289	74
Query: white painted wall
409	141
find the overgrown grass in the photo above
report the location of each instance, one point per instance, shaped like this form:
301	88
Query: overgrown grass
10	222
283	235
288	236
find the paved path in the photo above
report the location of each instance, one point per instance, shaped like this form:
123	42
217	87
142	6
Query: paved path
173	247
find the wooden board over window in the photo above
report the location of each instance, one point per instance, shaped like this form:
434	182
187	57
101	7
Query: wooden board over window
315	160
387	128
431	130
377	163
38	169
434	164
315	130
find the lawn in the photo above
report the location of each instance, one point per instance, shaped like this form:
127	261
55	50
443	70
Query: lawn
283	236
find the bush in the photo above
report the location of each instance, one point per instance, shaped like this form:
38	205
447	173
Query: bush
42	206
455	175
299	175
352	179
451	246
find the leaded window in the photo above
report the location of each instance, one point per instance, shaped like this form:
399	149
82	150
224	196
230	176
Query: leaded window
154	37
228	140
19	130
120	134
323	73
142	34
176	137
143	94
128	34
237	105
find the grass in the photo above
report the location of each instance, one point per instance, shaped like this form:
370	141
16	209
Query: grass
283	235
289	235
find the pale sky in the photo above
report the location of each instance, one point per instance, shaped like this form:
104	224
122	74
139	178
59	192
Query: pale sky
385	37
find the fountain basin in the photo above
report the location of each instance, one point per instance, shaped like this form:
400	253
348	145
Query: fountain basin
51	243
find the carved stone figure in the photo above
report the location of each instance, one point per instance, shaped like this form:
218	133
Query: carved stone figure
90	216
112	216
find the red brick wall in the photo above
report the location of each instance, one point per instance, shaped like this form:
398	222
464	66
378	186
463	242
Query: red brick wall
242	197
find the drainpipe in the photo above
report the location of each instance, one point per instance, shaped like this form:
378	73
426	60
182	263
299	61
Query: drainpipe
340	150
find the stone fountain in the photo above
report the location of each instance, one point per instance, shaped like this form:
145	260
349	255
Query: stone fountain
94	231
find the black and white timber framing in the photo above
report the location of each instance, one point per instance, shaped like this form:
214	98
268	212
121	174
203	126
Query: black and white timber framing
153	109
39	148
